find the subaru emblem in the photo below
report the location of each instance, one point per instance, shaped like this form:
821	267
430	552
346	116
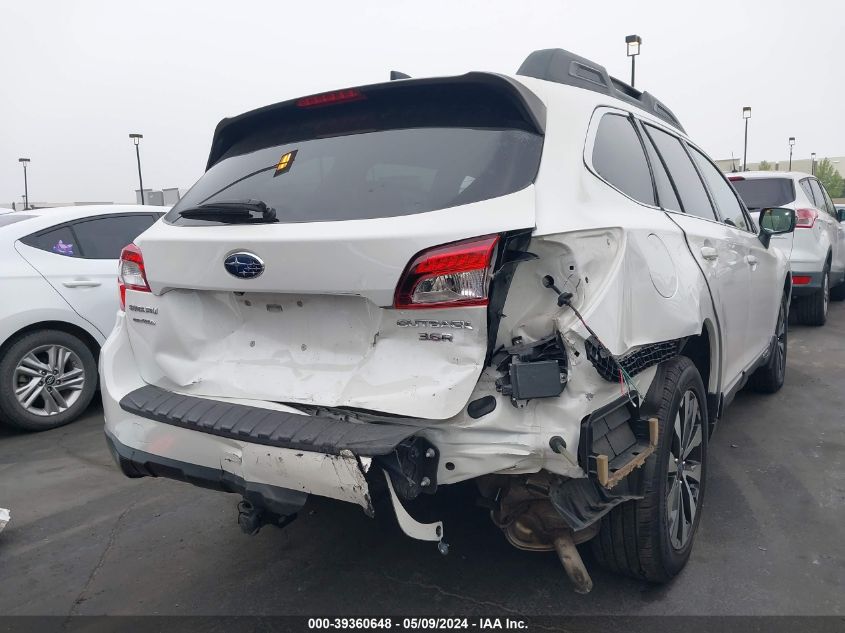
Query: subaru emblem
243	265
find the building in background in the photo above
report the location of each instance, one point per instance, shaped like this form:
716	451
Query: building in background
798	164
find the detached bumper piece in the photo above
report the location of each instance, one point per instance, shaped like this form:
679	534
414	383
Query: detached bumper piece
265	426
615	443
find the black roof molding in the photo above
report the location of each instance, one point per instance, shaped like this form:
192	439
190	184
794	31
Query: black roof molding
563	67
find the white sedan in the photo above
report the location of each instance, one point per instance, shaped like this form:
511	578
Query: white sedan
57	273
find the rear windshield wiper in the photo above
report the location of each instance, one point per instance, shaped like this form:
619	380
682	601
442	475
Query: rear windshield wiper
232	212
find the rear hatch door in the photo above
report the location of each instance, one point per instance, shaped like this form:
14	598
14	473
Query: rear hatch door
296	304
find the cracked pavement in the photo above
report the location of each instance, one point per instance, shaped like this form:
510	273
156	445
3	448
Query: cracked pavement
85	540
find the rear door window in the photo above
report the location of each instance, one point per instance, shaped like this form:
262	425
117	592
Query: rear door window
805	185
763	193
618	157
831	208
60	240
821	196
666	194
729	206
687	181
105	237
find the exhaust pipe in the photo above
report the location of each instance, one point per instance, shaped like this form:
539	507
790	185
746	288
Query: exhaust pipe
572	562
251	518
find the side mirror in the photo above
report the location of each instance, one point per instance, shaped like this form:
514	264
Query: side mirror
775	221
840	215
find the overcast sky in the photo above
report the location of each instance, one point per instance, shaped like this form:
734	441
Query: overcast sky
78	75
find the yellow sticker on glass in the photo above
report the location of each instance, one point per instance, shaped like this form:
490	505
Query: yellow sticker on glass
285	163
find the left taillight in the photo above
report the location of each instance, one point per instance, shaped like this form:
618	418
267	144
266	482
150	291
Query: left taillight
447	276
132	274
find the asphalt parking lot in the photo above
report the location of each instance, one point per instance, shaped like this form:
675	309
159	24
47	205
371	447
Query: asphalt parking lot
85	540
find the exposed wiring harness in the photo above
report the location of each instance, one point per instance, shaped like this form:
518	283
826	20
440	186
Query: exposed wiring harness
625	379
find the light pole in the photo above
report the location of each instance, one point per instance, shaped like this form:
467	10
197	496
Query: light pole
25	162
791	145
137	140
633	42
746	114
813	163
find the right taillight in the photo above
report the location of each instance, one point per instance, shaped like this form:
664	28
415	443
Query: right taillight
132	275
805	218
452	275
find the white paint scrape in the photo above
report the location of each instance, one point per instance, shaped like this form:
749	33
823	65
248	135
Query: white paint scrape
4	518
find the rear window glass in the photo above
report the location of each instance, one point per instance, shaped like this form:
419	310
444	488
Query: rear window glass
372	175
10	218
762	193
104	238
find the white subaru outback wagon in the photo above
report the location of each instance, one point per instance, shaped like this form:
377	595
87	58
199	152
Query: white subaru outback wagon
536	282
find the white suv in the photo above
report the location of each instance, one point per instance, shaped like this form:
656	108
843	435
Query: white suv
535	282
816	249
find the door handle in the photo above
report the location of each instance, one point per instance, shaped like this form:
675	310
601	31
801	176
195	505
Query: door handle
709	253
81	283
751	259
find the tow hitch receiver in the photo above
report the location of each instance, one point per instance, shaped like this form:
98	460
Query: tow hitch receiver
412	527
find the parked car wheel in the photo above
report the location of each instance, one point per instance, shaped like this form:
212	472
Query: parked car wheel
769	378
47	378
837	293
652	538
812	310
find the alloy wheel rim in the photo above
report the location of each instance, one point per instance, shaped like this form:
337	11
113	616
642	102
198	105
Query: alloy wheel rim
780	348
48	380
684	471
826	291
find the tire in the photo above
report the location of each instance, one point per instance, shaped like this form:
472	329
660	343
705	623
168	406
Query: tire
812	310
837	293
640	538
770	377
62	361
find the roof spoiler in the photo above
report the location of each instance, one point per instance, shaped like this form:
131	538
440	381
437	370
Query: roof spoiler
513	98
561	66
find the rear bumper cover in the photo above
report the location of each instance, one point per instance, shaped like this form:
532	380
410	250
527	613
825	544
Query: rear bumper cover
812	287
134	463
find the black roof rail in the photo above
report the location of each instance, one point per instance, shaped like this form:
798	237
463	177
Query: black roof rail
563	67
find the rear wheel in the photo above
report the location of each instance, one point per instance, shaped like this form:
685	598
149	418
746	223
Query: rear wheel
47	378
769	378
812	310
652	538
